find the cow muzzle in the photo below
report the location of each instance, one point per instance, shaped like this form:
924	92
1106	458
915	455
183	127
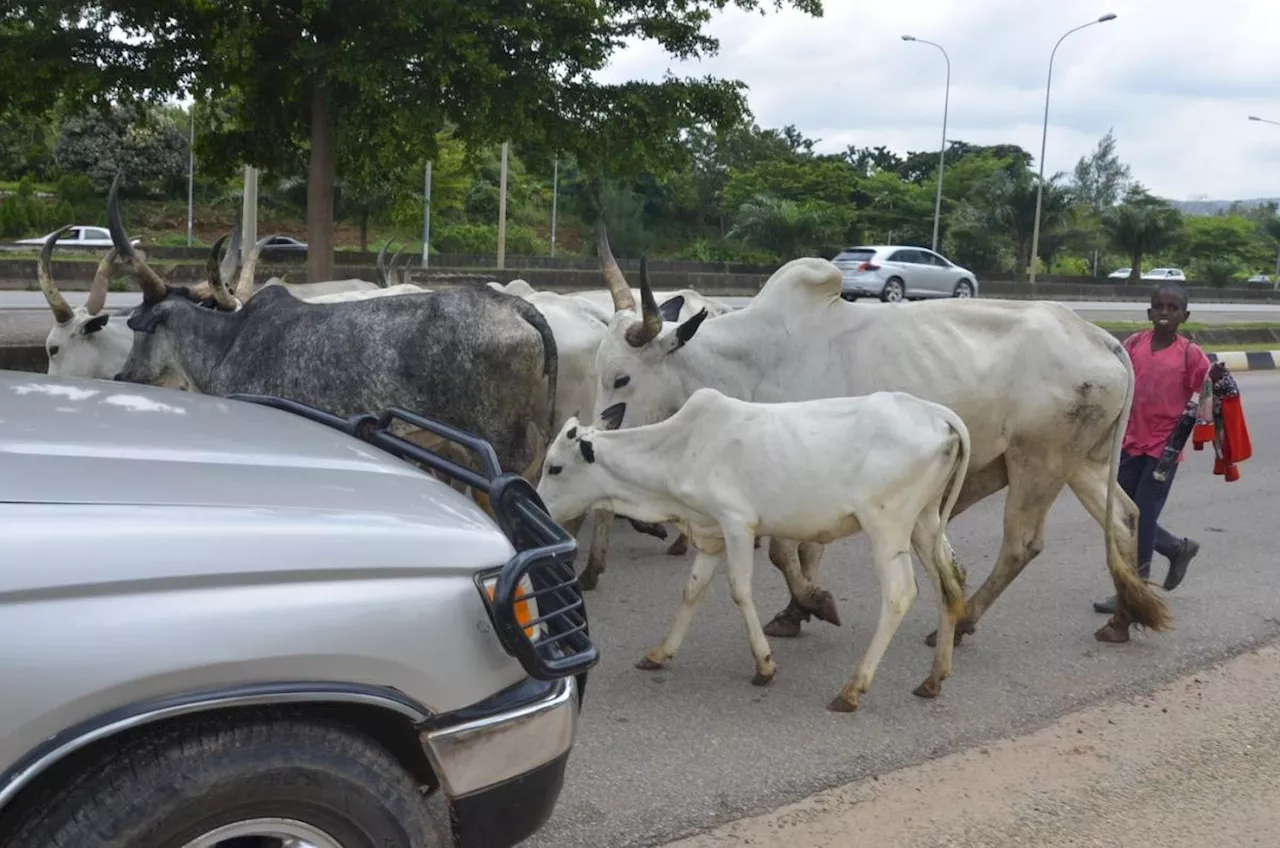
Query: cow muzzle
612	417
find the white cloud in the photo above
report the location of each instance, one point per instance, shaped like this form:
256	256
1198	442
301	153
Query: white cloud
1176	79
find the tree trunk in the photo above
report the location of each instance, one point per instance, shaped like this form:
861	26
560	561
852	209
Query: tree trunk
1135	270
320	188
364	230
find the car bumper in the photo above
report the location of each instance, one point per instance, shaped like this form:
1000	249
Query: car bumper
502	766
861	286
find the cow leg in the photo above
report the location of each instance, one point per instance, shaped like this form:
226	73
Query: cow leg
798	562
704	568
1135	602
948	593
648	528
1035	480
739	552
599	547
891	547
680	546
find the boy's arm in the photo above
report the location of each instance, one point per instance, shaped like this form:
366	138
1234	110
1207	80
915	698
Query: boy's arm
1197	367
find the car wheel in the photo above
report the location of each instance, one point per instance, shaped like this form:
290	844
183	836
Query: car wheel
849	297
964	288
894	291
269	783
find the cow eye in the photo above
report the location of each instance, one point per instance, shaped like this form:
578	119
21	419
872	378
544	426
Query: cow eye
553	470
53	350
621	381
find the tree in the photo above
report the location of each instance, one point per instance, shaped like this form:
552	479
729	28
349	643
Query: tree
143	143
303	74
1140	226
789	228
1100	179
1008	205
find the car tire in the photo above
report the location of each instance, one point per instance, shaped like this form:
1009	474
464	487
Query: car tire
852	298
964	288
172	787
894	291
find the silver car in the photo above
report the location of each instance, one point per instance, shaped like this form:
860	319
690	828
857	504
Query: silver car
895	273
234	622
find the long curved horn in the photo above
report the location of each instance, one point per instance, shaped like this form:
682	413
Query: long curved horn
399	274
244	287
639	335
220	293
380	266
227	268
98	291
152	284
61	311
622	297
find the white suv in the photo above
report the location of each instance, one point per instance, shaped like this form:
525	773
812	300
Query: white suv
895	273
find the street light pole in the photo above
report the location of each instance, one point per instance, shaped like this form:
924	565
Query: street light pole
1275	123
1044	134
942	154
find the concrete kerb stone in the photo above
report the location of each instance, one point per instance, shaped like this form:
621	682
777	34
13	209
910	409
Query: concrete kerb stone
1248	360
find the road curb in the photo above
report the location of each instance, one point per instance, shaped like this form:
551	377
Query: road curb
1250	360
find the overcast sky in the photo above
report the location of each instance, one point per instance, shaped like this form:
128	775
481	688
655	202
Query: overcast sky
1176	79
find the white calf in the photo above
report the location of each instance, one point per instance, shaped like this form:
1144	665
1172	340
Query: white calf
729	470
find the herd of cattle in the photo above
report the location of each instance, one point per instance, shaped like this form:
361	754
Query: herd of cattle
801	417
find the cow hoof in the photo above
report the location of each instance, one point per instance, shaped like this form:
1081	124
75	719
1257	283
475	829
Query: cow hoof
646	664
841	705
929	689
1109	632
962	628
782	627
679	547
824	607
649	529
589	579
762	679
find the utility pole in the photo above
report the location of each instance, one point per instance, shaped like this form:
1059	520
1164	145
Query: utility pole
502	210
249	215
426	215
191	176
555	186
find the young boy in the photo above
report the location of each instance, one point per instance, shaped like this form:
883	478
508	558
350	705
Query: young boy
1169	369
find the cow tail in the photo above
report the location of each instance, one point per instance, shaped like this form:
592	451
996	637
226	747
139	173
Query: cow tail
952	575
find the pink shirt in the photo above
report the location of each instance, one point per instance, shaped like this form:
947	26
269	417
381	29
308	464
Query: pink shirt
1164	380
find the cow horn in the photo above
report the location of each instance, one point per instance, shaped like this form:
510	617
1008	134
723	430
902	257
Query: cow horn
622	297
641	334
152	284
398	272
380	266
244	287
219	286
61	311
231	261
98	291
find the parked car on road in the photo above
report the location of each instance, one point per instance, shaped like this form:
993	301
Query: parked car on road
246	622
1165	274
899	272
1120	274
276	243
78	236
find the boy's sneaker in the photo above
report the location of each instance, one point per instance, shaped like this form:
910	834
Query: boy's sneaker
1178	563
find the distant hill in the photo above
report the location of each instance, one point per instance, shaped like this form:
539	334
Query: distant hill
1213	207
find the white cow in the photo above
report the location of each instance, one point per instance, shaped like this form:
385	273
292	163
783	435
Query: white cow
579	325
1045	395
728	470
83	342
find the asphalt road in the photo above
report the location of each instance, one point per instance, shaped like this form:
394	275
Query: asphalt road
1094	310
663	754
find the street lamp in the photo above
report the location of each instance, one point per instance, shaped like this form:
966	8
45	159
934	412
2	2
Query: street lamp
942	154
1044	132
1263	120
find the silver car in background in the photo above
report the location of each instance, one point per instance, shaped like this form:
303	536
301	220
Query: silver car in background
234	622
895	273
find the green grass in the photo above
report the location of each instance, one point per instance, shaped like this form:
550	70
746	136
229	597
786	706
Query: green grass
1190	326
1256	346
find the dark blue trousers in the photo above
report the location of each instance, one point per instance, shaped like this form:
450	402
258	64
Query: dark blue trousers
1149	494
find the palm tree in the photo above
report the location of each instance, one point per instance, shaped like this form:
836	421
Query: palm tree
1009	202
786	228
1140	226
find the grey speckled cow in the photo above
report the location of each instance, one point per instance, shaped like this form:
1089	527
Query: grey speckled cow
473	358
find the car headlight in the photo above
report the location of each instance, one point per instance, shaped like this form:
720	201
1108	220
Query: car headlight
526	606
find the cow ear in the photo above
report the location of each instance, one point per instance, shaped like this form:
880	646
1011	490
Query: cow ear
588	450
95	324
686	330
671	307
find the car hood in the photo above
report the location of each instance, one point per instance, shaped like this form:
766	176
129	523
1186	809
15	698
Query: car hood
80	441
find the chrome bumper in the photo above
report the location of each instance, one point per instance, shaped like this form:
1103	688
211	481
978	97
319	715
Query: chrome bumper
474	755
